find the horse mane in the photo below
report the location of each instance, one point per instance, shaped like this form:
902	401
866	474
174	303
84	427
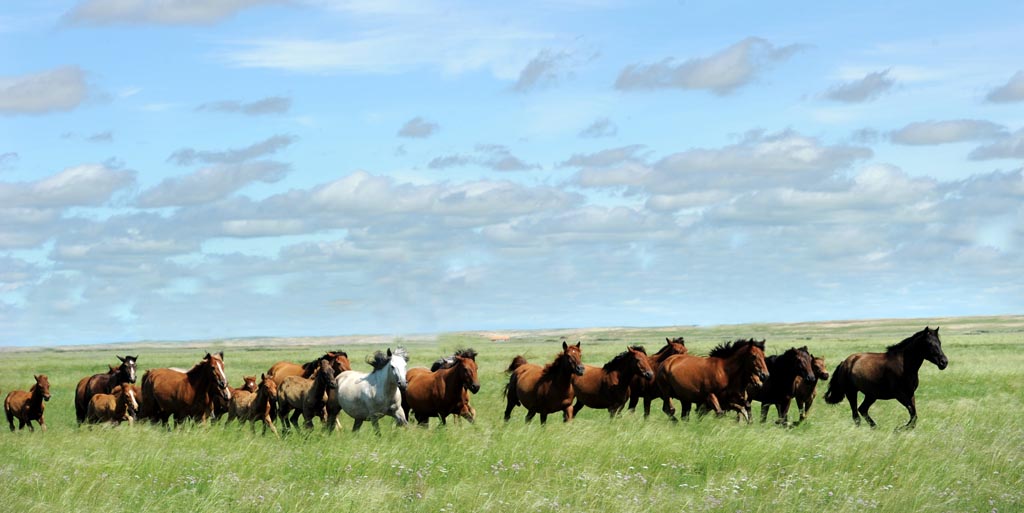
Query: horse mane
379	359
610	366
727	349
905	343
447	362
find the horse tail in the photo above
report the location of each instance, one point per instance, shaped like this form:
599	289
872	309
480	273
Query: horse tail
837	385
516	363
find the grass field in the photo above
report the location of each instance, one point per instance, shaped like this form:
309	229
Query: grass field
967	453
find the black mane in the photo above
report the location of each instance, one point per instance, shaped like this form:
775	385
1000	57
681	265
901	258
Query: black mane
615	362
905	344
449	361
378	360
727	349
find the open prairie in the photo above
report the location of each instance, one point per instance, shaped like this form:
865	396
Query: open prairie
966	454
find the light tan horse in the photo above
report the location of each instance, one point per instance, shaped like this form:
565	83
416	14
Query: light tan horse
118	406
306	396
544	390
28	406
256	407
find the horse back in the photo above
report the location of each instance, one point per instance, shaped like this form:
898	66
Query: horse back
877	374
691	377
282	370
171	391
590	384
542	393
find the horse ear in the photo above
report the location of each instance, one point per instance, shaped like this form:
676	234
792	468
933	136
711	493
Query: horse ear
667	340
389	352
221	354
119	358
936	329
263	377
564	346
207	357
577	343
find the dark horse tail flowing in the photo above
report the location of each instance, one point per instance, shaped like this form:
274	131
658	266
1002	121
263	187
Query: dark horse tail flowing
888	375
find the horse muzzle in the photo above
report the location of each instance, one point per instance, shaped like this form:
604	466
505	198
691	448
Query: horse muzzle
46	397
579	370
942	363
473	387
648	375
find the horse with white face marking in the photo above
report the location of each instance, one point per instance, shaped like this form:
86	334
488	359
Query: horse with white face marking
371	396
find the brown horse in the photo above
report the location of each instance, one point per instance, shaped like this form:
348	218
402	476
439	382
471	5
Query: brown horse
256	407
726	373
608	387
221	405
185	395
805	391
28	406
444	391
545	389
306	396
103	384
647	389
785	369
888	375
118	406
281	370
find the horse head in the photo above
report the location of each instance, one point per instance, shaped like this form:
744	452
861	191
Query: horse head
268	387
338	360
572	358
804	365
127	368
126	394
325	375
758	367
933	348
398	361
249	384
216	363
468	371
640	361
820	368
43	386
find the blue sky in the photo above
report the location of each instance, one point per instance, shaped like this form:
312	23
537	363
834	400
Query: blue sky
184	170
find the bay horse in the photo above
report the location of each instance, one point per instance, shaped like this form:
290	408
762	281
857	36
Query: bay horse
785	369
370	396
28	406
185	395
118	406
888	375
443	390
103	383
726	373
608	387
281	370
805	391
544	390
256	406
647	389
306	396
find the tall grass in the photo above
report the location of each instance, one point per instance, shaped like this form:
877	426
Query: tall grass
965	455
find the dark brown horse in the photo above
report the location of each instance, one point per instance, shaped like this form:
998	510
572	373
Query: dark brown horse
281	370
805	391
28	406
725	374
545	389
888	375
185	395
444	390
103	384
647	389
608	387
785	369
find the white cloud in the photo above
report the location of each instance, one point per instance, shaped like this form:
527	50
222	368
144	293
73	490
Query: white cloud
162	12
544	70
867	88
273	144
722	73
210	184
1009	147
84	185
418	128
268	105
601	127
1012	91
942	132
59	89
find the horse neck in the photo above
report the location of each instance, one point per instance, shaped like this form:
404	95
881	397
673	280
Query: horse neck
383	378
35	401
912	360
732	364
201	378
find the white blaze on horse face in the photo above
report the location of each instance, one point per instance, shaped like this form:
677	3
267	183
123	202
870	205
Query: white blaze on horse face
398	367
223	379
131	399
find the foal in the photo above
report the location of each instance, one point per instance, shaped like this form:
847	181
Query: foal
118	406
28	406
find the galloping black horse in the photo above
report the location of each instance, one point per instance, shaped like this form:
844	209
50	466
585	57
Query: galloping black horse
888	375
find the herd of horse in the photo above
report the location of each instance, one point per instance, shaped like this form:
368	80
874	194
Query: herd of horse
731	377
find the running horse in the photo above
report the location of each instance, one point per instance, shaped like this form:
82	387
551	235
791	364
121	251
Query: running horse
646	388
785	369
281	370
370	396
184	395
724	375
443	390
28	406
804	392
608	387
888	375
103	383
546	389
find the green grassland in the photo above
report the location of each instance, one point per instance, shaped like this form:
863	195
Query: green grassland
967	453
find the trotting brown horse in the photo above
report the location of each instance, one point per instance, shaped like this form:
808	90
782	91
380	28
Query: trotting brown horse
281	370
544	390
444	391
103	384
256	407
726	373
805	391
647	389
785	369
306	396
28	406
608	387
185	395
888	375
221	405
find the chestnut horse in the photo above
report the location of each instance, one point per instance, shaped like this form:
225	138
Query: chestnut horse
545	389
306	396
281	370
28	406
608	387
221	405
185	395
256	407
647	389
443	390
805	391
888	375
103	384
726	373
118	406
785	370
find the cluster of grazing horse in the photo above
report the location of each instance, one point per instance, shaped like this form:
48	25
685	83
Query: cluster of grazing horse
731	378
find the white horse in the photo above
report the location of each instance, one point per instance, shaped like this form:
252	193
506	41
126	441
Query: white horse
371	396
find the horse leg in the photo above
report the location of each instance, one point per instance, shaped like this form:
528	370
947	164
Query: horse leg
267	422
851	397
577	407
647	406
23	423
911	405
868	401
376	425
684	410
296	413
543	418
634	399
400	419
356	425
42	423
764	412
512	401
713	404
529	416
567	415
783	408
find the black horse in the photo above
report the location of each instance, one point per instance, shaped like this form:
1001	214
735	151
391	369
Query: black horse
784	370
888	375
